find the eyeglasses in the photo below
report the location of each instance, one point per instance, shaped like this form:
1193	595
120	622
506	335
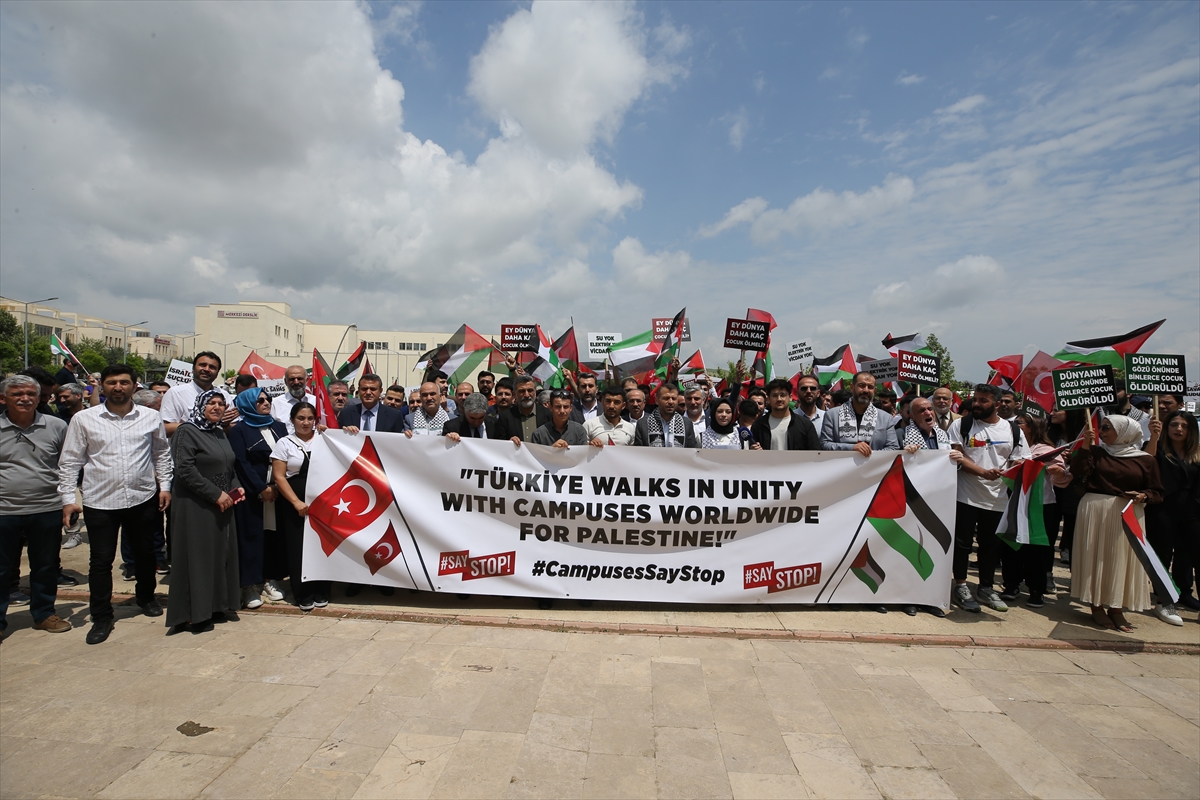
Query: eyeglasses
263	399
561	394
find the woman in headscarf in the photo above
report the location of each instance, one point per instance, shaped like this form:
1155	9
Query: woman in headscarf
1105	572
262	559
204	574
722	433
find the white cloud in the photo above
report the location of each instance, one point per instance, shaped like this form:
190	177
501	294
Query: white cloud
835	327
739	124
964	106
906	78
948	286
759	83
817	210
637	269
830	72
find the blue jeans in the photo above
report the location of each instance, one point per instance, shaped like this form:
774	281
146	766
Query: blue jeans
42	533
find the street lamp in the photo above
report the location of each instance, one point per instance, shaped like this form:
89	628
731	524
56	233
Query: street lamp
225	351
183	349
27	305
338	352
125	338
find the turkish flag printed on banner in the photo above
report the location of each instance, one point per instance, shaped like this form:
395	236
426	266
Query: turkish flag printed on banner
260	368
353	502
383	551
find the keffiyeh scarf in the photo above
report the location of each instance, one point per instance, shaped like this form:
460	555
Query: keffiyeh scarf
675	428
913	435
432	424
198	419
848	428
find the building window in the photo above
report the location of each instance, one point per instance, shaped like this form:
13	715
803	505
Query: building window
141	333
286	333
277	330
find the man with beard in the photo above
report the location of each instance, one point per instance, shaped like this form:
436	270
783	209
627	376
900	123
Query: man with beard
695	402
429	418
857	424
809	390
178	402
587	406
989	445
943	399
664	426
1007	407
296	380
70	401
610	428
782	428
462	392
525	416
635	404
487	382
561	430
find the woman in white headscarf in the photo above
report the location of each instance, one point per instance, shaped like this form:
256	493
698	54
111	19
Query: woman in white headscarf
1105	572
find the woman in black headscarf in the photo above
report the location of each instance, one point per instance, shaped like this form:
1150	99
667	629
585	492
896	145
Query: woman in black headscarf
721	433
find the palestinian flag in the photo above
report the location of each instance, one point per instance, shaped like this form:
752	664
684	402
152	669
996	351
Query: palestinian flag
319	384
693	366
1097	415
635	356
913	343
867	570
1109	350
351	367
1023	521
59	348
670	344
840	366
898	512
545	365
1160	578
763	365
466	352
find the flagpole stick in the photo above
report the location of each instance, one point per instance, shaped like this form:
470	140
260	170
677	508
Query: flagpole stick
1156	406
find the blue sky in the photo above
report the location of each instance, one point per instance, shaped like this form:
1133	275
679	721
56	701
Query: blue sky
1007	175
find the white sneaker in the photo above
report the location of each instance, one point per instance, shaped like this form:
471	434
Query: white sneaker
1168	614
272	591
989	598
72	539
250	597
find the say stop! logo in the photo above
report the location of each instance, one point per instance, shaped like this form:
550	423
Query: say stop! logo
780	579
461	562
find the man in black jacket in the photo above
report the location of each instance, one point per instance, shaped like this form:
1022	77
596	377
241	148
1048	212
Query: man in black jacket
665	426
525	415
783	429
473	423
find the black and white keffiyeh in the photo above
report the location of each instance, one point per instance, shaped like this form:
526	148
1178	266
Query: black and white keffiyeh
914	436
849	429
432	424
676	429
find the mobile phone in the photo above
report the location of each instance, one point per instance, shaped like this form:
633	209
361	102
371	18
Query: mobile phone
74	519
237	495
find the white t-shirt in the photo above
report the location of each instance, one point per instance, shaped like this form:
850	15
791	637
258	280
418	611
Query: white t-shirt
699	425
178	402
291	449
779	431
600	428
990	447
281	408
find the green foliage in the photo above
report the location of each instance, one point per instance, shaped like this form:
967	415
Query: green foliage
12	346
941	351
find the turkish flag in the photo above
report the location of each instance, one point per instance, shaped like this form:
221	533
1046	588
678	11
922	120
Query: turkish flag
260	368
1035	381
383	551
353	502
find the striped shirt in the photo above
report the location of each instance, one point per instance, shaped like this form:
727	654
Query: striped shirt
127	459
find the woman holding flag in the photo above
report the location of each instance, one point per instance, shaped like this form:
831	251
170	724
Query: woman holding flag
1105	571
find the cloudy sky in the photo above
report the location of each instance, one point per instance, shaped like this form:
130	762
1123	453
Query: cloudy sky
1007	175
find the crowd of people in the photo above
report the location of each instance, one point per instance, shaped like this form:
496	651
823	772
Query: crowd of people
208	485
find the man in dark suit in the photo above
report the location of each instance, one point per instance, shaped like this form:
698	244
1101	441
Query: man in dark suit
525	415
587	405
665	426
473	423
369	414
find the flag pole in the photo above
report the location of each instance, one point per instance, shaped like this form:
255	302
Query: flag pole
1156	406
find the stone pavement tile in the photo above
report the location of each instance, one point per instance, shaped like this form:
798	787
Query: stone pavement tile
450	701
1103	689
613	643
272	669
300	625
454	635
409	768
375	721
270	762
680	699
923	720
1102	721
517	660
321	648
412	676
913	657
623	723
341	756
1044	661
1025	759
629	670
607	776
481	765
13	672
516	638
700	647
1169	693
67	683
416	632
1074	746
1127	788
231	735
165	774
131	656
567	733
307	783
1176	731
919	783
472	657
829	766
249	643
768	651
325	708
189	663
44	771
375	658
793	699
952	691
508	704
263	700
1175	772
757	786
1165	664
727	675
174	693
82	722
569	691
750	740
688	763
363	629
874	733
544	770
1114	664
823	653
998	685
970	772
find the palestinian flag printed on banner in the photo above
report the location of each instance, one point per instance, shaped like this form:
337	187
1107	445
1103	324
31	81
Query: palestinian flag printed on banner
867	569
1164	586
466	352
319	381
59	348
840	366
635	356
913	343
351	367
1109	350
898	512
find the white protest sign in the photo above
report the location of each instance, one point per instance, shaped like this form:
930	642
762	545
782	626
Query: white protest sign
598	344
273	388
179	373
799	357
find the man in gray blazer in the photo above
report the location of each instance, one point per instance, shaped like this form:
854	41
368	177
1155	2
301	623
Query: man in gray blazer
858	425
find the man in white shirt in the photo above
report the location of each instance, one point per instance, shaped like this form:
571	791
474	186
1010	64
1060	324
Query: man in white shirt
610	427
178	402
296	379
695	400
989	445
809	390
123	451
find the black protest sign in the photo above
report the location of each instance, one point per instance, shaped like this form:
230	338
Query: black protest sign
884	369
1032	409
919	368
662	326
747	334
1084	387
519	338
1155	374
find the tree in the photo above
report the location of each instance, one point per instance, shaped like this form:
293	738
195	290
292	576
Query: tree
12	346
941	351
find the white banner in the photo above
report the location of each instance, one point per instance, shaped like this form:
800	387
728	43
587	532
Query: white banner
624	523
179	373
274	387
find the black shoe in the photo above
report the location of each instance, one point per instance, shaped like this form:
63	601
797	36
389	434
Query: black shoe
177	629
226	616
881	609
386	591
910	610
936	611
127	572
151	608
353	589
202	627
162	568
1189	601
66	580
100	631
1035	601
1010	594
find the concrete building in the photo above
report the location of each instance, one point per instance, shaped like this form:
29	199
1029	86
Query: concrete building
71	326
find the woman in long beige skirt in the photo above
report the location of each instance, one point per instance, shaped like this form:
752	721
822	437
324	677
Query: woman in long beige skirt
1105	572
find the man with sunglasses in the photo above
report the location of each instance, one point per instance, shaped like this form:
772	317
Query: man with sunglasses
561	430
809	390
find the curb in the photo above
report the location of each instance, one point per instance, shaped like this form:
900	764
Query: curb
771	634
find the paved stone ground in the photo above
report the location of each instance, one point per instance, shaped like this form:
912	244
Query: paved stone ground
323	707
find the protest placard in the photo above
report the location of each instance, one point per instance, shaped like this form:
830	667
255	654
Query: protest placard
179	373
1084	387
663	324
747	334
519	338
1032	409
919	368
1147	373
884	369
799	357
598	344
